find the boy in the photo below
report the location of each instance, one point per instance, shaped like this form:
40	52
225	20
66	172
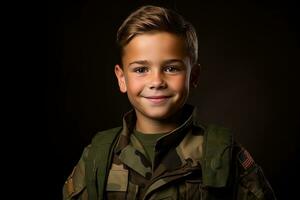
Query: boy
161	152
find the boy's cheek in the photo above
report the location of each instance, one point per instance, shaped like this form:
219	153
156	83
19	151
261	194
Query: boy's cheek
181	83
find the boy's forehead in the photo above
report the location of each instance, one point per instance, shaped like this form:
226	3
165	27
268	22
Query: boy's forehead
156	46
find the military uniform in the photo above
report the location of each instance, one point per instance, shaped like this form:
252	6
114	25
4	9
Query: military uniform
191	162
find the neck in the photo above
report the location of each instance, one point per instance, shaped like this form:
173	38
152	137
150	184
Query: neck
152	126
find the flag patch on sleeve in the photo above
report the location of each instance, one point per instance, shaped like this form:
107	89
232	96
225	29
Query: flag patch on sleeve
246	159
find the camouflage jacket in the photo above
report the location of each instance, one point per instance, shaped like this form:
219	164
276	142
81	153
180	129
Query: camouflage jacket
191	162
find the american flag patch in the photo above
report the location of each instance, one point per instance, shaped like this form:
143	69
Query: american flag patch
245	159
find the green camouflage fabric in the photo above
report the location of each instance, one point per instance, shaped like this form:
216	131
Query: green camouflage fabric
189	163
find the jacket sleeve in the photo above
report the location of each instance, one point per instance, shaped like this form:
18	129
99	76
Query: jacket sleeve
251	182
75	186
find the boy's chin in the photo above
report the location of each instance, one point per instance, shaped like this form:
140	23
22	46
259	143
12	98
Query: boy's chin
159	114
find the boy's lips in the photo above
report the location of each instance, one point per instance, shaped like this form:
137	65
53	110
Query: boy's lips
157	99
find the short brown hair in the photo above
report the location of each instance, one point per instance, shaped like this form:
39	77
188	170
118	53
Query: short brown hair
153	18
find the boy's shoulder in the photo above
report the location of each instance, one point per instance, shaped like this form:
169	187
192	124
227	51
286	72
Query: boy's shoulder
105	136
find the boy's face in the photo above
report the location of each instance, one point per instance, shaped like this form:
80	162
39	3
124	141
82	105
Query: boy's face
156	74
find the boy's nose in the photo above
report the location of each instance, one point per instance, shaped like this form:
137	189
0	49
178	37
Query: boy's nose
157	81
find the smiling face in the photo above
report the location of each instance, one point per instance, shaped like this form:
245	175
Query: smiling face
155	74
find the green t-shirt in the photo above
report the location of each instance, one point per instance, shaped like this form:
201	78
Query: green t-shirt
148	141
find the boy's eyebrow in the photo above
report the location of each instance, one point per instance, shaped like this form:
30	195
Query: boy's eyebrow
145	62
172	61
140	62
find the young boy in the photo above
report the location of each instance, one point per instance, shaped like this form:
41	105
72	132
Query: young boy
161	152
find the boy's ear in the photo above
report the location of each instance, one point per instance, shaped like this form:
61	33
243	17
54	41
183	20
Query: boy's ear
195	74
121	78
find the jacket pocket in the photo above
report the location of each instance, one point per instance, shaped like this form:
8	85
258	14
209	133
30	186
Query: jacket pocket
117	180
117	184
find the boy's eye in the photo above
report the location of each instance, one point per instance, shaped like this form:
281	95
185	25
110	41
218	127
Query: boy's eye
140	70
171	69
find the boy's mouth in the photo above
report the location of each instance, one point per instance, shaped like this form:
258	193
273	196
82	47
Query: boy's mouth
157	99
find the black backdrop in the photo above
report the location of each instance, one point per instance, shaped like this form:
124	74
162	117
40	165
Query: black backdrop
248	51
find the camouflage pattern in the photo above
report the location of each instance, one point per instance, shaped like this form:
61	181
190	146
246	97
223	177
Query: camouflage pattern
177	172
75	186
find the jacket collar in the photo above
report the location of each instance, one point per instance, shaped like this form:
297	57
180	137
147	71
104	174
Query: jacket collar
217	145
165	142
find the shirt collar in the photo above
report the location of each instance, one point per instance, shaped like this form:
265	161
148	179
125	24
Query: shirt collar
171	139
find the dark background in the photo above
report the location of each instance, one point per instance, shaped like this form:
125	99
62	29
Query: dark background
249	52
